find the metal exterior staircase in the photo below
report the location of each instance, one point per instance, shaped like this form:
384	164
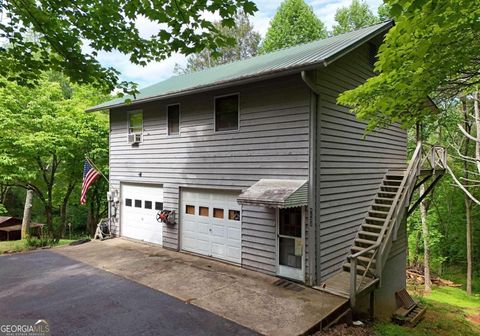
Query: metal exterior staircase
391	206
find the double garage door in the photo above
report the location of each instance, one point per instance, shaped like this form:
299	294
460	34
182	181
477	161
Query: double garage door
140	204
210	220
211	223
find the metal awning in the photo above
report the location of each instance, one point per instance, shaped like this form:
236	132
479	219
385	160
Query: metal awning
276	193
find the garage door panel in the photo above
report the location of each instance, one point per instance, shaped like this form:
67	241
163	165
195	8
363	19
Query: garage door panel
140	222
213	235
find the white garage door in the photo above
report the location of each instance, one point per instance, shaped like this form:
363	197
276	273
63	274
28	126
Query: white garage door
140	205
210	223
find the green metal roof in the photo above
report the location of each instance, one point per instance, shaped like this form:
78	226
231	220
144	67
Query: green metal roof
293	59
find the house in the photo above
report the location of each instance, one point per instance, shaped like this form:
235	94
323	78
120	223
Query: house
11	228
260	167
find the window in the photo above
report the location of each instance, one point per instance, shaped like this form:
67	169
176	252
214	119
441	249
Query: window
234	215
173	119
128	202
138	203
203	211
147	204
135	122
190	209
218	213
290	222
226	113
158	206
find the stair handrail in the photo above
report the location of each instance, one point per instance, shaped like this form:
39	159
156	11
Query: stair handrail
381	243
398	204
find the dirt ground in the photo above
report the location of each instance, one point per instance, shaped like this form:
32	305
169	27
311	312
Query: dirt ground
474	318
345	330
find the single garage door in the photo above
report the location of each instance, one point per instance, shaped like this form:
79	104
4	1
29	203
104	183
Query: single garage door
140	204
210	223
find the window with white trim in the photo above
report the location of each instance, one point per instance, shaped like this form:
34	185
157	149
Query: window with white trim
135	122
226	113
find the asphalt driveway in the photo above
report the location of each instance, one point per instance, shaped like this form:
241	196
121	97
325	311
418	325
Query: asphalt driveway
77	299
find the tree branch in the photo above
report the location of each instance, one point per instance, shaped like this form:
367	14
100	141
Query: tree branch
460	185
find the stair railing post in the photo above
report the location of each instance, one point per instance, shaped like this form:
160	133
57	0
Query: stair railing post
353	281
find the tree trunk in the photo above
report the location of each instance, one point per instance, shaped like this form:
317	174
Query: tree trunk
416	252
426	248
63	210
476	111
468	202
468	211
27	214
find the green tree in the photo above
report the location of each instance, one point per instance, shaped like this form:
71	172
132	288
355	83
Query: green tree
384	12
45	135
434	49
294	23
61	28
353	17
246	45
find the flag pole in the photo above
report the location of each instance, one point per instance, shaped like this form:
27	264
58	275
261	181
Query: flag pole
96	168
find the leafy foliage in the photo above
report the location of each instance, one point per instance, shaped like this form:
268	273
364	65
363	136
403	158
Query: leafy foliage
294	23
58	29
45	135
246	45
353	17
434	44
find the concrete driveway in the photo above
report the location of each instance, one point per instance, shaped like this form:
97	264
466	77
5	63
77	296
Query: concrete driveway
259	302
77	299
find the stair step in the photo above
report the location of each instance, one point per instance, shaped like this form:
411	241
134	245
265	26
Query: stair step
367	260
355	249
365	241
388	206
389	188
360	268
377	213
384	199
383	192
381	207
372	226
393	175
375	219
368	233
395	181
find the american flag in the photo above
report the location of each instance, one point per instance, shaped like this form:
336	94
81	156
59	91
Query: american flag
89	175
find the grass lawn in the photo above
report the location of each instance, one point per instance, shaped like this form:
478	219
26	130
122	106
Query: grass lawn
448	313
21	245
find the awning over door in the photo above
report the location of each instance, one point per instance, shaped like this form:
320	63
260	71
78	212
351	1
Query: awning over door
276	193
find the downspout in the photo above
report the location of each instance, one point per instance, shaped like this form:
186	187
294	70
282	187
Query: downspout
313	250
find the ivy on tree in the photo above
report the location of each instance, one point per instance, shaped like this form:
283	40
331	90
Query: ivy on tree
67	35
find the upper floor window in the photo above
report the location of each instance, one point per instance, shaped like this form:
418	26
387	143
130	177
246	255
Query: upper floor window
135	122
173	119
226	113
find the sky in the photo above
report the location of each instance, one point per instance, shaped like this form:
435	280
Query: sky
158	71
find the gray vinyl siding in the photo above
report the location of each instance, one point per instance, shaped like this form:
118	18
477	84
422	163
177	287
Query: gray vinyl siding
350	167
272	142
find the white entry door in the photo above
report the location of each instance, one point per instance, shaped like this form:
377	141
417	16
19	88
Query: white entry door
290	243
140	204
210	223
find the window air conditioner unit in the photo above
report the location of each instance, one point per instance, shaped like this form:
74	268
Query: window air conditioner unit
134	138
